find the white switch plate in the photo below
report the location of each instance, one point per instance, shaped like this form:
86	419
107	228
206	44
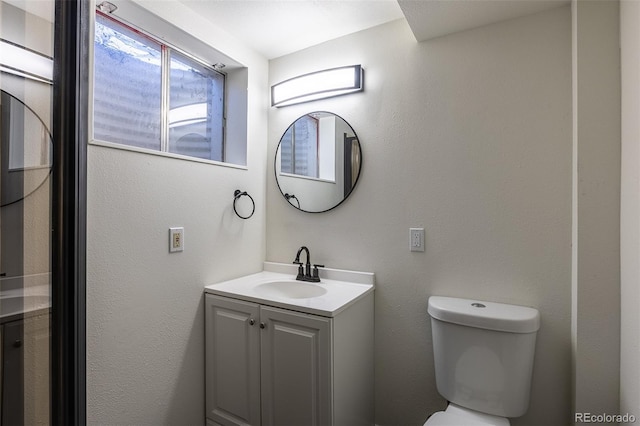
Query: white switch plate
176	239
416	239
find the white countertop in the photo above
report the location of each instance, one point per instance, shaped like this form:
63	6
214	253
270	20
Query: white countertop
23	295
341	289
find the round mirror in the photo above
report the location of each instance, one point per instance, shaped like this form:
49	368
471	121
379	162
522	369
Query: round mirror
25	152
318	162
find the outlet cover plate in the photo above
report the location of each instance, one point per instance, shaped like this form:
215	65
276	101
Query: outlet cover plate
416	239
176	239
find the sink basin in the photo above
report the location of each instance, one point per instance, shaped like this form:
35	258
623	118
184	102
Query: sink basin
290	289
277	287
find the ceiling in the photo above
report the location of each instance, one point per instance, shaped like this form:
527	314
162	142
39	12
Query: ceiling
278	27
41	8
434	18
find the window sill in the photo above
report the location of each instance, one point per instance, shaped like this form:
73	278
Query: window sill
165	154
291	175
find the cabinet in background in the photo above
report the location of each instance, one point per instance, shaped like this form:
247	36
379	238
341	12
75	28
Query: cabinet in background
24	372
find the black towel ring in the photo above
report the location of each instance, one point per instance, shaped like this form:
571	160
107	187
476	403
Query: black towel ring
237	194
290	197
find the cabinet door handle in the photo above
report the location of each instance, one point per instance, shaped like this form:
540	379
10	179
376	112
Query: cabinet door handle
252	321
17	343
263	325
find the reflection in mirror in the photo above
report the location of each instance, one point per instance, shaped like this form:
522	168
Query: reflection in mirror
318	162
25	152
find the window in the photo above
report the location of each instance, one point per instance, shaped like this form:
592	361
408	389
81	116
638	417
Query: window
149	95
310	146
196	109
299	148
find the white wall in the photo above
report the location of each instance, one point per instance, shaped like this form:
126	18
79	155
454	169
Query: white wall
630	209
596	206
145	316
470	136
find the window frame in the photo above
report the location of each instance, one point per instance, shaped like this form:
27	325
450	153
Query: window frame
167	47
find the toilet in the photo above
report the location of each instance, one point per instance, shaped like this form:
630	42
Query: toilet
483	355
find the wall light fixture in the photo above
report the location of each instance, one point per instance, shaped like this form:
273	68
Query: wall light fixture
106	7
18	60
318	85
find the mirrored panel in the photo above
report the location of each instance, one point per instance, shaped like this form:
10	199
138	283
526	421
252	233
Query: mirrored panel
26	148
26	215
318	162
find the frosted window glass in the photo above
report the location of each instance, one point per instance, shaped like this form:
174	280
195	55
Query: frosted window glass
196	106
299	148
127	86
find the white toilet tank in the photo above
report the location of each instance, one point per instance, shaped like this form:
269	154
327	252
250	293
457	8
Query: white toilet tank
483	353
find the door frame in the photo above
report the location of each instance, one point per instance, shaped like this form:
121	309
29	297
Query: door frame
68	263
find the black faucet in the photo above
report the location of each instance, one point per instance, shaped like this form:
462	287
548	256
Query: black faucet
308	275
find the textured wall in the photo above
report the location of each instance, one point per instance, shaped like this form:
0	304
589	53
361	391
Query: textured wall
469	136
145	331
630	209
596	206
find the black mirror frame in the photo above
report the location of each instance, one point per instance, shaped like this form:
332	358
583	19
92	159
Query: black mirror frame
288	197
44	126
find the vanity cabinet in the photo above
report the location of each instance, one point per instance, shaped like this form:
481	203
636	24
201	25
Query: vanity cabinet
25	371
267	365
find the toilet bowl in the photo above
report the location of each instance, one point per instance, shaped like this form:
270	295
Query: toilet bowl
455	415
483	356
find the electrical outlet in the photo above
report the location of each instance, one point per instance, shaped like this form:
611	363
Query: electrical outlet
176	239
416	239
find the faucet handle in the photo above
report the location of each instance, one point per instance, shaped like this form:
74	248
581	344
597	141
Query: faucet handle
315	270
300	269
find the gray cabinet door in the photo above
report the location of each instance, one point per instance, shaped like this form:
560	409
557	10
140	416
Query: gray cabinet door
25	371
232	361
295	368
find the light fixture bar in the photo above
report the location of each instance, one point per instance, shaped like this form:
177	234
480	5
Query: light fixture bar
318	85
18	60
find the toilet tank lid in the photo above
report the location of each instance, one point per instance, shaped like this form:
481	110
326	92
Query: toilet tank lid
486	315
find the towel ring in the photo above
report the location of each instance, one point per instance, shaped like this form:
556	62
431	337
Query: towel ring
237	194
290	197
